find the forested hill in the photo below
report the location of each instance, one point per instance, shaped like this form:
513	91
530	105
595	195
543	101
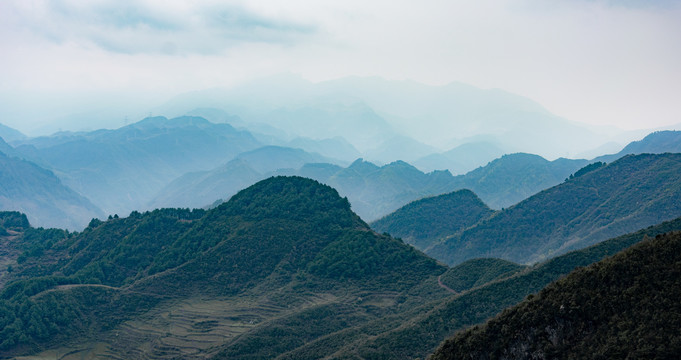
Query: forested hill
423	221
628	194
626	306
285	247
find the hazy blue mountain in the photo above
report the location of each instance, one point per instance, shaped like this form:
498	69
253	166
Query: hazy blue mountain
199	189
424	221
399	148
628	194
655	143
626	306
10	135
356	122
461	159
28	188
333	148
515	177
368	111
120	170
6	148
375	191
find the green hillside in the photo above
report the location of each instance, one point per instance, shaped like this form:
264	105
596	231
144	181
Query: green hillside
477	272
622	307
424	221
281	251
631	193
418	332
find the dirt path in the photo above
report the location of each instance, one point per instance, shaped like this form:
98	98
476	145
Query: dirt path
439	282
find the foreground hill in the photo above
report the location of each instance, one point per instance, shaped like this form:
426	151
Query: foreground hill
626	306
28	188
424	221
418	332
633	192
121	169
219	282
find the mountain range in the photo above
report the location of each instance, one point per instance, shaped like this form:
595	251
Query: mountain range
632	192
26	187
284	270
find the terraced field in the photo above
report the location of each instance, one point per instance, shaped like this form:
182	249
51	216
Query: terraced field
187	329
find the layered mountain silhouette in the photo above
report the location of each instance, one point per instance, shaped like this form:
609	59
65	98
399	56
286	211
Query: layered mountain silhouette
120	170
633	192
655	143
31	189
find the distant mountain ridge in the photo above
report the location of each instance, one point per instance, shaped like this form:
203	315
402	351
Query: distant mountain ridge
121	169
654	143
633	192
37	192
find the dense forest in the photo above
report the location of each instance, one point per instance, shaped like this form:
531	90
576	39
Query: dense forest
626	306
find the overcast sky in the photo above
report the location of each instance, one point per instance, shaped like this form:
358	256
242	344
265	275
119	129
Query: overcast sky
598	62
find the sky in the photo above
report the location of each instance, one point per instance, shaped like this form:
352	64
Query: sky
600	62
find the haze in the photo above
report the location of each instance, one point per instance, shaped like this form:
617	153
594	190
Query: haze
70	65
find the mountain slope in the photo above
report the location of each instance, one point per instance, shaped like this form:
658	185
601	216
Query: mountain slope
120	170
10	134
423	221
622	307
199	189
419	332
283	250
633	192
28	188
515	177
461	159
658	142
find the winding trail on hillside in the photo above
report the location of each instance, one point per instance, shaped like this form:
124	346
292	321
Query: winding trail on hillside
439	282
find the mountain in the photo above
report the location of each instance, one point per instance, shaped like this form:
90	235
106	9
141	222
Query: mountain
633	192
375	191
333	148
417	332
515	177
621	307
283	262
367	111
399	148
120	170
198	189
427	220
10	135
461	159
658	142
478	272
37	192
